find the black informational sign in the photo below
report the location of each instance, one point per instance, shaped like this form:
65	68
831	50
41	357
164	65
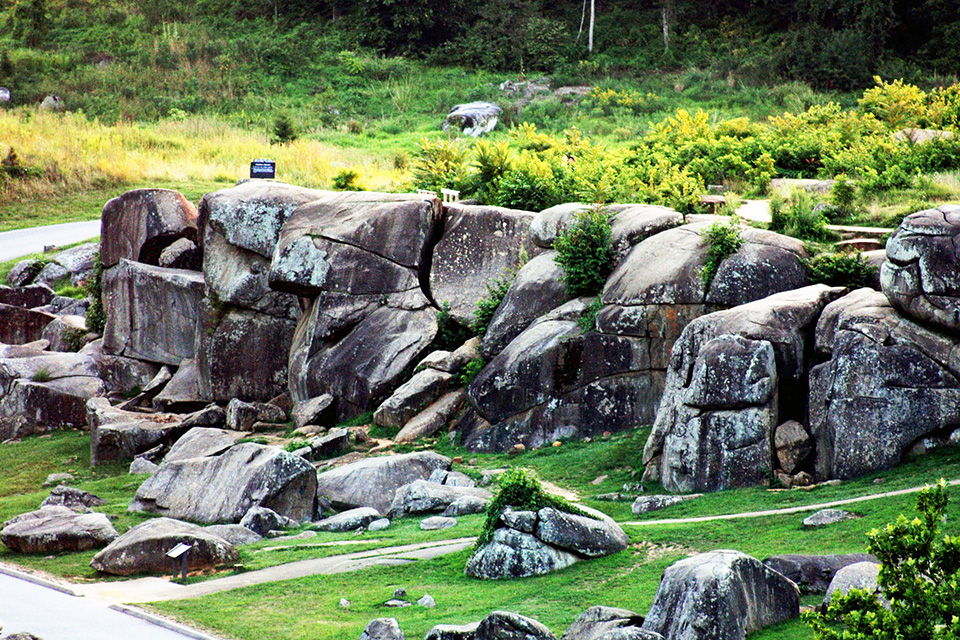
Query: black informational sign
263	169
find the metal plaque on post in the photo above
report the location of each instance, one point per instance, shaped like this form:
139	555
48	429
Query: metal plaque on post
263	168
179	552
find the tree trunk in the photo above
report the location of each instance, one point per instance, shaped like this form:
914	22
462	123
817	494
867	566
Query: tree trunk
667	9
593	13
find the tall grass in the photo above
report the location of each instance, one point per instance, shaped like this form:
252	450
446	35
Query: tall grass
75	153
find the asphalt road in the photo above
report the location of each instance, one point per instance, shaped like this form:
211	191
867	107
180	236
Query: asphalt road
14	244
53	615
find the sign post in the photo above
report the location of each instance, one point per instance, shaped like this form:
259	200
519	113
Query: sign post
263	168
180	552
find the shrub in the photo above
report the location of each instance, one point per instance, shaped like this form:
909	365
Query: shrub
347	180
450	333
797	216
840	270
898	104
529	185
283	130
96	318
583	252
844	194
440	164
520	489
588	321
471	370
487	306
723	240
41	375
919	575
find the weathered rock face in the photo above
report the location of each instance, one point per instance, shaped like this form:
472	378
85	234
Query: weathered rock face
537	289
120	375
46	392
21	326
234	534
72	498
374	482
814	573
27	297
223	488
597	621
721	595
262	521
859	575
412	397
472	118
202	442
143	549
350	520
138	225
920	274
503	625
151	312
478	246
531	543
886	383
57	529
423	496
117	435
382	629
432	419
731	378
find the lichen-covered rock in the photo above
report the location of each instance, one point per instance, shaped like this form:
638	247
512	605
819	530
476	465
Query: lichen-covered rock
72	498
151	311
383	629
350	520
729	375
22	326
886	382
479	244
221	489
504	625
432	419
143	549
27	297
374	482
422	496
720	595
116	434
593	623
590	536
920	275
814	573
410	398
138	225
57	529
202	442
859	575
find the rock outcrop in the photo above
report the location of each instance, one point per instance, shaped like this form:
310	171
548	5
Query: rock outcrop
57	529
814	573
138	225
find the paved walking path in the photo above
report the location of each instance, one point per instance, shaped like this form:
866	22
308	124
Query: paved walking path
157	589
22	242
759	211
780	512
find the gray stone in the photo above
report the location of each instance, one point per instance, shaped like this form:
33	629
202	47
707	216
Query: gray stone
721	595
537	288
920	274
65	333
479	245
472	118
120	375
315	411
334	443
453	632
21	326
351	520
379	525
143	549
210	416
432	419
57	529
182	393
262	520
412	397
24	272
646	504
151	312
860	575
52	275
466	505
504	625
397	604
814	573
793	445
427	601
826	517
422	496
514	554
374	482
382	629
142	466
138	225
117	435
235	534
55	479
241	416
525	521
434	523
181	254
631	633
27	297
452	362
77	499
593	623
222	489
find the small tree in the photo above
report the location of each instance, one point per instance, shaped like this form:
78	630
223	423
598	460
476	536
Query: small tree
283	130
584	254
919	575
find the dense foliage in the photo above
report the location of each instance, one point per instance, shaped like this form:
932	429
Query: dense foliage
723	240
919	576
96	317
583	252
841	270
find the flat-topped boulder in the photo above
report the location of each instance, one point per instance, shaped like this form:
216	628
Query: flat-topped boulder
920	276
28	296
596	622
143	549
138	225
203	442
222	488
423	496
350	520
472	118
374	482
57	529
151	311
720	595
116	434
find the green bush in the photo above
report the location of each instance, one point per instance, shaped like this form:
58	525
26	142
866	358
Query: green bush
347	180
844	195
796	216
588	321
530	185
440	164
584	253
96	317
283	130
919	576
487	306
520	489
840	270
723	240
471	370
450	333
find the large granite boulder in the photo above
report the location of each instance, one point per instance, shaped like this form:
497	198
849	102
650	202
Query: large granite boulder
57	529
46	392
432	419
410	398
203	442
597	621
374	482
382	629
423	496
504	625
859	575
143	549
472	118
885	382
350	520
72	498
528	543
116	434
221	489
720	595
120	375
920	276
733	374
151	312
138	225
814	573
479	245
27	297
